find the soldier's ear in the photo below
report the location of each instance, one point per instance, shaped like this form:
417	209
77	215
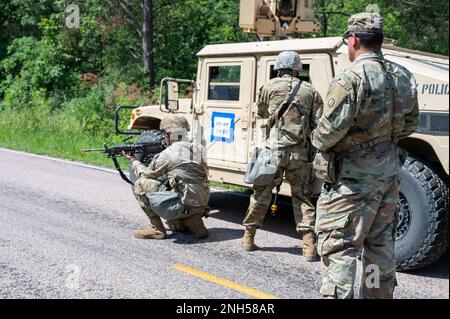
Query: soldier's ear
356	43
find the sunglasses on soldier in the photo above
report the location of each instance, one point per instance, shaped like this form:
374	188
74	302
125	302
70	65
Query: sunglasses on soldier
346	36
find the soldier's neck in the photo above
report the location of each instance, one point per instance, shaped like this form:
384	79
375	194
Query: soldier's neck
361	52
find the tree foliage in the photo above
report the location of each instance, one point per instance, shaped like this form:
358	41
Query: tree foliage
414	24
96	67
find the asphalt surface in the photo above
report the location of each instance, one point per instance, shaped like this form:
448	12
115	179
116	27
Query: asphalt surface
65	232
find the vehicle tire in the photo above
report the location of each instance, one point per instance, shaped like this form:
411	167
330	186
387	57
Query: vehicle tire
423	230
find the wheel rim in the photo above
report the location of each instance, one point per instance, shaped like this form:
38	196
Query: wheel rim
405	216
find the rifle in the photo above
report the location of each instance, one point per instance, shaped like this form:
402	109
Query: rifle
116	151
147	149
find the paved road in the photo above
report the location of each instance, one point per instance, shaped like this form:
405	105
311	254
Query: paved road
65	232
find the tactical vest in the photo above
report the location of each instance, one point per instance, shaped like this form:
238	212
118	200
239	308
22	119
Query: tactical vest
294	125
190	180
384	94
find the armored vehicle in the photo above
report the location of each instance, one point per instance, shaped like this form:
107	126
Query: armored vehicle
223	110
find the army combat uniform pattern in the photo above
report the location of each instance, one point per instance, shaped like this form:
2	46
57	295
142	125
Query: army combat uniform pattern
289	142
182	168
369	106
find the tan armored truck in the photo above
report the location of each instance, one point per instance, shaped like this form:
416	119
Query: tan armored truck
223	110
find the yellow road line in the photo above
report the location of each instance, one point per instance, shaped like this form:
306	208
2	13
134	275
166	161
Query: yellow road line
224	282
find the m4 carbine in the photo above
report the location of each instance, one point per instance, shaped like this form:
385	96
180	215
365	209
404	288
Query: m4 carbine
147	149
117	151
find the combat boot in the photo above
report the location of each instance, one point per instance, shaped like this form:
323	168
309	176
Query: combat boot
309	246
248	241
194	224
155	231
177	225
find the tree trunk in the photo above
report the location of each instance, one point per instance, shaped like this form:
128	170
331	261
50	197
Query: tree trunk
147	41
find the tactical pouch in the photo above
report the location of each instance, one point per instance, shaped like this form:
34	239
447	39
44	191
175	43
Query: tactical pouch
195	195
262	167
324	166
167	204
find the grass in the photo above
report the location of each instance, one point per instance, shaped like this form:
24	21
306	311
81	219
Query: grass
231	187
57	134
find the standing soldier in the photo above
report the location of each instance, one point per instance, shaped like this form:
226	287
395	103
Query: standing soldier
369	107
180	168
288	136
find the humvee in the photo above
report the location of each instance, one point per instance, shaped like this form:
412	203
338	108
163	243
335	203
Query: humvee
223	110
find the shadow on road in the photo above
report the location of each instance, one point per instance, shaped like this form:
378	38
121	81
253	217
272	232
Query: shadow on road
439	269
297	251
215	235
232	206
223	234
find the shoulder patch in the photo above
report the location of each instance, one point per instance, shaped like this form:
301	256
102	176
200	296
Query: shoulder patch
338	92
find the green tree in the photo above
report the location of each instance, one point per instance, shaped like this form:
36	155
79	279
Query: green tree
420	25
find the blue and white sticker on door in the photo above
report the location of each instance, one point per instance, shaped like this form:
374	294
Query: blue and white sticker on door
222	127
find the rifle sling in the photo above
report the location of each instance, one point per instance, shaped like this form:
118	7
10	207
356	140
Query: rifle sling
280	112
122	174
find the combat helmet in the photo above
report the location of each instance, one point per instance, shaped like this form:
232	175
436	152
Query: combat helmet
176	127
173	122
288	60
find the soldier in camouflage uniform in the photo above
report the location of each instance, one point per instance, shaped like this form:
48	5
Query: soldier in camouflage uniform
289	140
182	168
369	107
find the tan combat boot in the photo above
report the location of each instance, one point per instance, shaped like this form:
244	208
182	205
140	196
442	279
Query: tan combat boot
248	241
194	224
155	231
309	246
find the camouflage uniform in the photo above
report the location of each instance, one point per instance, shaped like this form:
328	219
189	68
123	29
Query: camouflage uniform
366	111
290	144
182	168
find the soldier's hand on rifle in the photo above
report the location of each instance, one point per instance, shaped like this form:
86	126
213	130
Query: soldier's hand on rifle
128	156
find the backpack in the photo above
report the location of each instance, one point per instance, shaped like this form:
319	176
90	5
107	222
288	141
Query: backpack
405	105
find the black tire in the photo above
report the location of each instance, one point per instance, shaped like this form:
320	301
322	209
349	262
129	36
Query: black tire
423	230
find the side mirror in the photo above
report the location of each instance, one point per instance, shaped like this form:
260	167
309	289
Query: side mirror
171	96
117	121
170	88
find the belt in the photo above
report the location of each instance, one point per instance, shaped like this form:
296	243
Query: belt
366	145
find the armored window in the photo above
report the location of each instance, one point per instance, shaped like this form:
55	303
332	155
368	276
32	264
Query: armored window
303	75
224	83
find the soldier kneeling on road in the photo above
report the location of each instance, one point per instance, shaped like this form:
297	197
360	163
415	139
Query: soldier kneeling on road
174	185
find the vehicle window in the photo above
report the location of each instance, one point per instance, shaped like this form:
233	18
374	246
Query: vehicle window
224	83
304	73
